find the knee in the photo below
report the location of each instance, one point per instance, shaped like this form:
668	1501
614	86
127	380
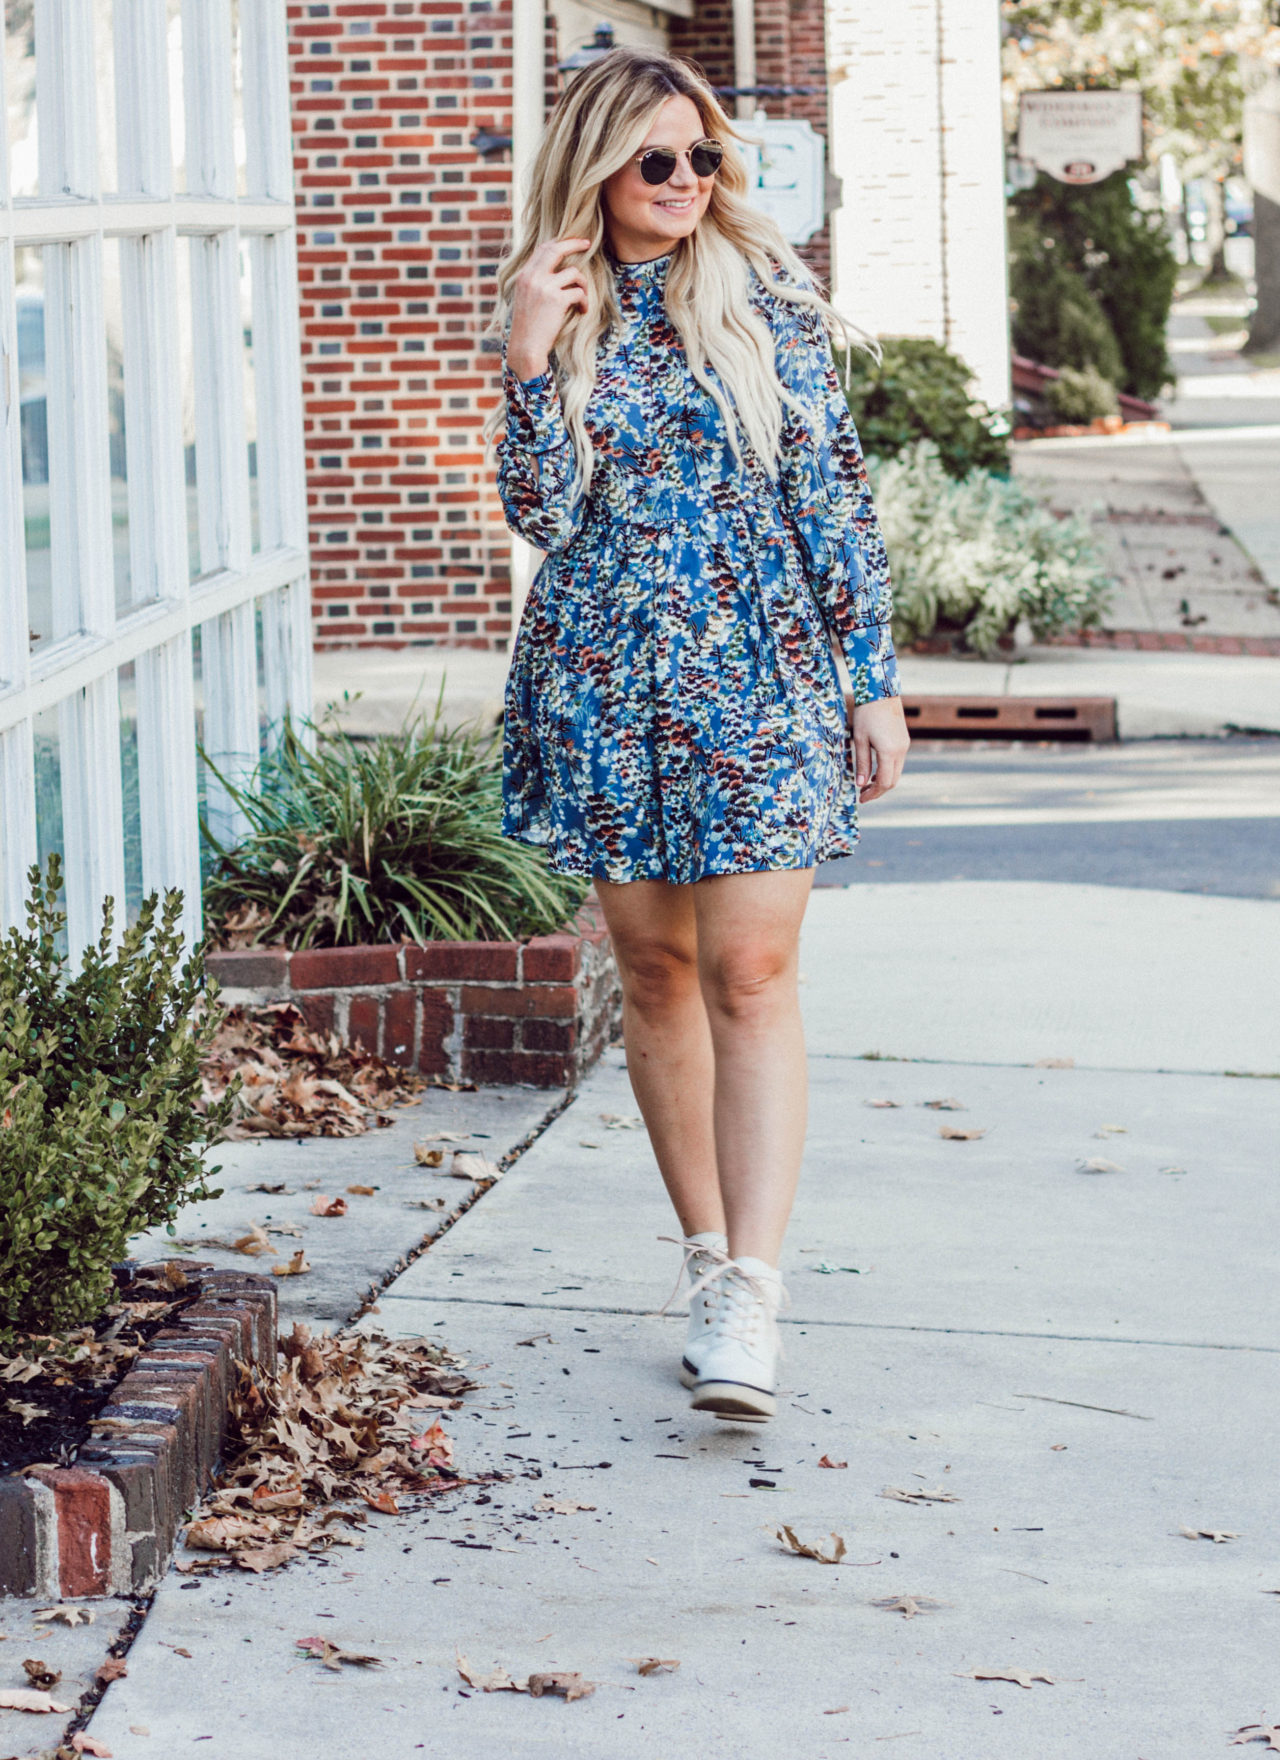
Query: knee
657	979
751	982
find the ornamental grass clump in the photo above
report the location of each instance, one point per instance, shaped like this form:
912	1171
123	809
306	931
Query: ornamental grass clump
102	1125
392	839
979	555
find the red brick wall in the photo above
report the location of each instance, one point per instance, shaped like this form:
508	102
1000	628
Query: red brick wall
401	226
791	50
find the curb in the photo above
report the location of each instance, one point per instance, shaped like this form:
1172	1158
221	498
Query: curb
109	1524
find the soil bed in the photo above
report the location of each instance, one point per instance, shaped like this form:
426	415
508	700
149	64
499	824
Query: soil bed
53	1385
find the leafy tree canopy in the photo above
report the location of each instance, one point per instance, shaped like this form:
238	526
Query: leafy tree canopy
1193	61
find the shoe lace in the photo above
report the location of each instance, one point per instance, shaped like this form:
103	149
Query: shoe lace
716	1259
744	1299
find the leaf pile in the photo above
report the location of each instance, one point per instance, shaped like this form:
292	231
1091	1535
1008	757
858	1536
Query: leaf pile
349	1418
295	1082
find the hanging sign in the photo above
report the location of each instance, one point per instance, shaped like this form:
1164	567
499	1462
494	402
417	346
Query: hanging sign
1080	137
785	166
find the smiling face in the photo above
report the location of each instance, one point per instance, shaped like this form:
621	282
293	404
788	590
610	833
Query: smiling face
646	220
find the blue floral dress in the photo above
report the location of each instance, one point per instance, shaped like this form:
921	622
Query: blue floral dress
673	706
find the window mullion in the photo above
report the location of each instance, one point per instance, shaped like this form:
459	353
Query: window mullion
222	465
157	486
208	95
13	556
66	99
18	818
229	676
143	147
268	138
92	808
167	776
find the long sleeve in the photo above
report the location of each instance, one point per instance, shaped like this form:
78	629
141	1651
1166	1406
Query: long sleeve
536	463
824	487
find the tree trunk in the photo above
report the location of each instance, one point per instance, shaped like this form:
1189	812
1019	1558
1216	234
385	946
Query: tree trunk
1262	168
1215	228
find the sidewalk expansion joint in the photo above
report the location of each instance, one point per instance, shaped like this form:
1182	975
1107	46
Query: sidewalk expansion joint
1177	1344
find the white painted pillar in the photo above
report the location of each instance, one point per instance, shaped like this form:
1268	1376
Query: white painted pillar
918	247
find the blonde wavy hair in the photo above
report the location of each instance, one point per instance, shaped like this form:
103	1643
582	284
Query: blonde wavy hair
597	127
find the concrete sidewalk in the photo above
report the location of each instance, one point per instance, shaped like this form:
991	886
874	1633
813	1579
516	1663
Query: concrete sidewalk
1082	1361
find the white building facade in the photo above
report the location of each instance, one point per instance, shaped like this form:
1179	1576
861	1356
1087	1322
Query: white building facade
153	564
917	139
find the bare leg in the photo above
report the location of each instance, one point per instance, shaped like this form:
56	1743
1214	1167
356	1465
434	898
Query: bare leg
748	928
668	1038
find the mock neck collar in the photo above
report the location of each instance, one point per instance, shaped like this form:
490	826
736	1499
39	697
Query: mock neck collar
653	271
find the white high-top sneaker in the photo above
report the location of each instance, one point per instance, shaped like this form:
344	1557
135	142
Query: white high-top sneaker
738	1362
704	1254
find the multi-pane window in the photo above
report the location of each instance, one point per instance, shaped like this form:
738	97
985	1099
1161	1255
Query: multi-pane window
153	573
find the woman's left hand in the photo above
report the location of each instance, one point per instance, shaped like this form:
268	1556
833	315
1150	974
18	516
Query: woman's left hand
879	730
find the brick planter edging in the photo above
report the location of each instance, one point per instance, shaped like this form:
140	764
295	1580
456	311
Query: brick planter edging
538	1011
109	1524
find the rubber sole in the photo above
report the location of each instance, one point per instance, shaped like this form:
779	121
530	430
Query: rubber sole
734	1399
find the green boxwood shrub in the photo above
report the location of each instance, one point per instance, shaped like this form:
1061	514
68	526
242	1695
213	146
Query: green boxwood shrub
919	390
1108	257
101	1134
391	839
1081	394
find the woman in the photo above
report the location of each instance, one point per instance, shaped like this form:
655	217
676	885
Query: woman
676	441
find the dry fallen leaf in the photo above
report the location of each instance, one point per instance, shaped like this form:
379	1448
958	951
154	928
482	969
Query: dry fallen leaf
323	1206
621	1121
1258	1732
884	1105
497	1682
1217	1535
382	1501
25	1410
85	1744
1054	1063
1112	1130
567	1508
792	1544
298	1266
950	1104
568	1686
426	1157
115	1668
362	1191
332	1657
444	1137
954	1134
827	1461
467	1165
266	1558
908	1605
898	1496
254	1243
654	1664
1095	1164
1021	1677
267	1500
28	1699
39	1674
278	1189
67	1616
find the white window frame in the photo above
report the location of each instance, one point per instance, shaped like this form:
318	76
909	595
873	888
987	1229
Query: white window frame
78	674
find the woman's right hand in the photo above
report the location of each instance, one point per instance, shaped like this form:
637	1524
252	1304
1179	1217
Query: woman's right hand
544	295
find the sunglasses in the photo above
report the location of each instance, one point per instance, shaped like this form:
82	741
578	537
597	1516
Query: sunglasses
659	163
